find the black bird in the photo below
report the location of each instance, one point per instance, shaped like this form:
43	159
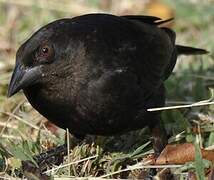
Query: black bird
98	73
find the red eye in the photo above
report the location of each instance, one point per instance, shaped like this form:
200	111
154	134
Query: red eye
44	54
45	51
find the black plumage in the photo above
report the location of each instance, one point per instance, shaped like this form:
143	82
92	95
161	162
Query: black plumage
98	73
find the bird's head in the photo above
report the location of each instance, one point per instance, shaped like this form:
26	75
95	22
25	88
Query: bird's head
41	56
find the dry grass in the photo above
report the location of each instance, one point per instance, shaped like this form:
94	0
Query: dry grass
24	133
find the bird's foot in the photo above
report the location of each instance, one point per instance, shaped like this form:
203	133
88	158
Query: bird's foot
34	170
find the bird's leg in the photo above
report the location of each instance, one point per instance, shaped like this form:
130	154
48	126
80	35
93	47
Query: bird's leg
59	151
159	139
53	156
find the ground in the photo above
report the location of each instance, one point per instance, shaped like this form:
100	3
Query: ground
24	133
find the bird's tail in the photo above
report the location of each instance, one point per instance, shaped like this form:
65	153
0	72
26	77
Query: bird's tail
186	50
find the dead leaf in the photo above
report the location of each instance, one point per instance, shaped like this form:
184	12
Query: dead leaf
182	153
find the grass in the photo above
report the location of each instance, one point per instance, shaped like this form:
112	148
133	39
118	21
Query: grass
23	132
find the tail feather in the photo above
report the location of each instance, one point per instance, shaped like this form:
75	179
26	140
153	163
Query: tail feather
190	50
163	21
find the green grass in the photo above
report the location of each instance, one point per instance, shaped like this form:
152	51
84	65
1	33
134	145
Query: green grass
25	134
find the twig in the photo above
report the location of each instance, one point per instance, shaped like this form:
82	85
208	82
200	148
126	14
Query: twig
8	178
135	167
9	118
68	150
65	165
210	147
196	104
11	137
8	125
20	119
180	106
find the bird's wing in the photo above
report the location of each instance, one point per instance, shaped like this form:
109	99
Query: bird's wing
121	84
152	20
147	19
132	41
169	68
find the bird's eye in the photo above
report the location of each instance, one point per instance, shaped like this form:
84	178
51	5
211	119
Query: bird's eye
44	54
45	51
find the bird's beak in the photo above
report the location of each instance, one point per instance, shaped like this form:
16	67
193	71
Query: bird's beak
23	77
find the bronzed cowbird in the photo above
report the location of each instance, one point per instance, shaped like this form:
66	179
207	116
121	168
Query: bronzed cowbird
98	73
